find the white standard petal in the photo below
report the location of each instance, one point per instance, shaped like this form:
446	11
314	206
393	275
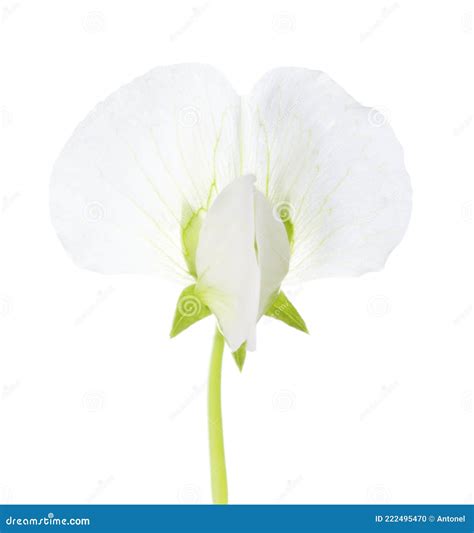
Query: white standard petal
140	165
333	166
226	263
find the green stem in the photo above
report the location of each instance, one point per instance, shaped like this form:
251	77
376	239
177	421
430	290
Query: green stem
216	437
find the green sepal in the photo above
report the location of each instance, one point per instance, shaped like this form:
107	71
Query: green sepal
189	310
282	309
239	355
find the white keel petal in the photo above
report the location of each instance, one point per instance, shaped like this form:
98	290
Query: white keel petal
226	263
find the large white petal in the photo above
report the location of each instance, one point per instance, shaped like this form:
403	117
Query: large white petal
140	164
334	165
226	263
273	249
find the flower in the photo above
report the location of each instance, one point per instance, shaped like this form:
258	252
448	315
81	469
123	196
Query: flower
176	174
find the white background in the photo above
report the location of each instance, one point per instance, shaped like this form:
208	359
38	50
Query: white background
98	405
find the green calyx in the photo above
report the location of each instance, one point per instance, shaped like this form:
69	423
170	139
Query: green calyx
282	309
239	355
189	310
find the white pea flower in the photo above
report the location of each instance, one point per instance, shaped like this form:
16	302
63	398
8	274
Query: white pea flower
178	175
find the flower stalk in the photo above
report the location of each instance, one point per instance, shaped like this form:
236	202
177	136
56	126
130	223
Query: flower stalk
216	436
